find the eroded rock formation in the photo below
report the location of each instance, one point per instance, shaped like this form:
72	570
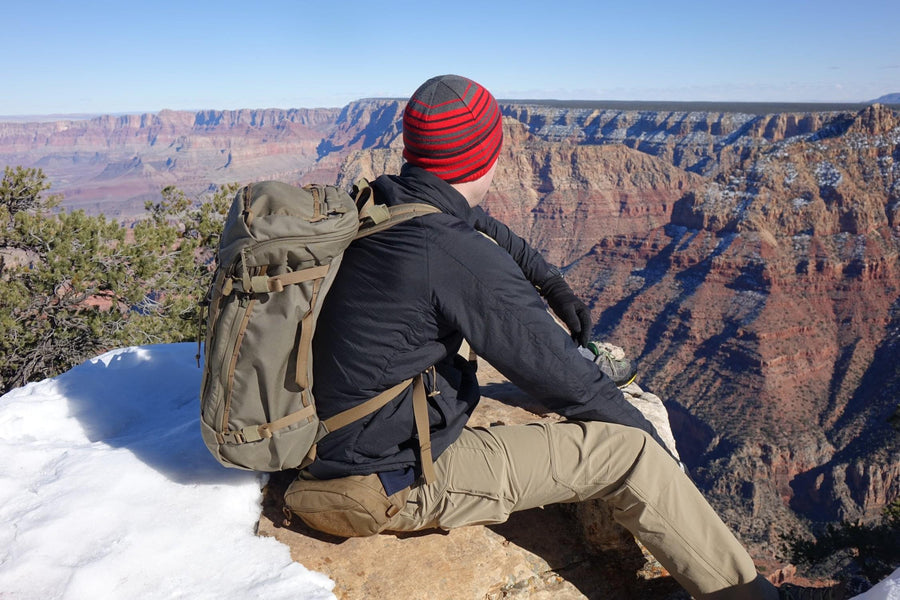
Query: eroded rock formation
751	262
761	298
113	164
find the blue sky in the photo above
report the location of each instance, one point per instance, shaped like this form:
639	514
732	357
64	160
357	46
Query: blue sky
110	57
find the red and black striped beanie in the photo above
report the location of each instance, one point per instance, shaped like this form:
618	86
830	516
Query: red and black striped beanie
452	128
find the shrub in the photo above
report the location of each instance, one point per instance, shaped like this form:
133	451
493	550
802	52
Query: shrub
73	285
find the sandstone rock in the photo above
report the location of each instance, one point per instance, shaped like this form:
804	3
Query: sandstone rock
876	119
534	555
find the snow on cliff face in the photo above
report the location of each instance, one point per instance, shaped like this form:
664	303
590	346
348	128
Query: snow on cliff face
107	491
889	589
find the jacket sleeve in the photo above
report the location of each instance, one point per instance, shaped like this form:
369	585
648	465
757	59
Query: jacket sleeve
480	291
536	269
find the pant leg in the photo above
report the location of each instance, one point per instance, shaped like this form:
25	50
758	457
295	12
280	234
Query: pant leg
489	473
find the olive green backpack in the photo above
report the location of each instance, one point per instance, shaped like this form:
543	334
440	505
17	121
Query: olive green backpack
280	250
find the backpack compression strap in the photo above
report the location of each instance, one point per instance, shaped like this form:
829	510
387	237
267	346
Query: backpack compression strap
255	433
262	284
423	428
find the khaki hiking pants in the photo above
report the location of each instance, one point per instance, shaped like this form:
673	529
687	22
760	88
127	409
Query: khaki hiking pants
489	473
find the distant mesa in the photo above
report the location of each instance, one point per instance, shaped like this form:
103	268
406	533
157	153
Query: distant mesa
888	99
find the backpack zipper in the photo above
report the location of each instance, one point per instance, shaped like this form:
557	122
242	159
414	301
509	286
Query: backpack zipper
248	309
297	239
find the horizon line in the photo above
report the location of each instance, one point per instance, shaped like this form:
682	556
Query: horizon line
724	106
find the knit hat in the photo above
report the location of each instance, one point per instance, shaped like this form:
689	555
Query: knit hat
452	128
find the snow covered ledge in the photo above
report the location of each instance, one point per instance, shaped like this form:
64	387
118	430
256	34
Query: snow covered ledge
107	491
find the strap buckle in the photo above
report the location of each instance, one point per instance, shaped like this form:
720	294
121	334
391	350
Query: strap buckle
251	433
259	284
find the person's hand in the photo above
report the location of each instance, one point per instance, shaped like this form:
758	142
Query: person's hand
566	305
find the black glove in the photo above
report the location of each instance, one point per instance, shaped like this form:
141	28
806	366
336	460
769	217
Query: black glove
568	308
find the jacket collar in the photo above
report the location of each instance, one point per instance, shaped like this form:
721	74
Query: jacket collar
415	184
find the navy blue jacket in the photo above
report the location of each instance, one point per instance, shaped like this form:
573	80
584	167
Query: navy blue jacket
404	299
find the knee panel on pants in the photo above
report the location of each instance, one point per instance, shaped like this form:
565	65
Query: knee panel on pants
588	457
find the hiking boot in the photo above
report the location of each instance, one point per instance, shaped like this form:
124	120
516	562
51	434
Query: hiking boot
789	591
621	370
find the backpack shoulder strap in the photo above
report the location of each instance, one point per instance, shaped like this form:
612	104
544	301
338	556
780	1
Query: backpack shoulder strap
396	214
364	196
378	217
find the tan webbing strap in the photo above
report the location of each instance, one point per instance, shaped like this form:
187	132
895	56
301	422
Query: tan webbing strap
317	203
297	277
254	433
423	428
361	410
412	209
248	197
379	213
305	345
365	203
262	284
309	458
286	421
399	213
362	193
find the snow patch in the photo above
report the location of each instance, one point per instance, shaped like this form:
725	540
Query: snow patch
827	175
889	589
107	491
799	203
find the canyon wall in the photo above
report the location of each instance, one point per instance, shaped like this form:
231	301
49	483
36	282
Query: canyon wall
749	262
113	164
759	293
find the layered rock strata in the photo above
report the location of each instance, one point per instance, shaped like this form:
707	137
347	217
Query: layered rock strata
762	300
749	261
766	311
113	164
